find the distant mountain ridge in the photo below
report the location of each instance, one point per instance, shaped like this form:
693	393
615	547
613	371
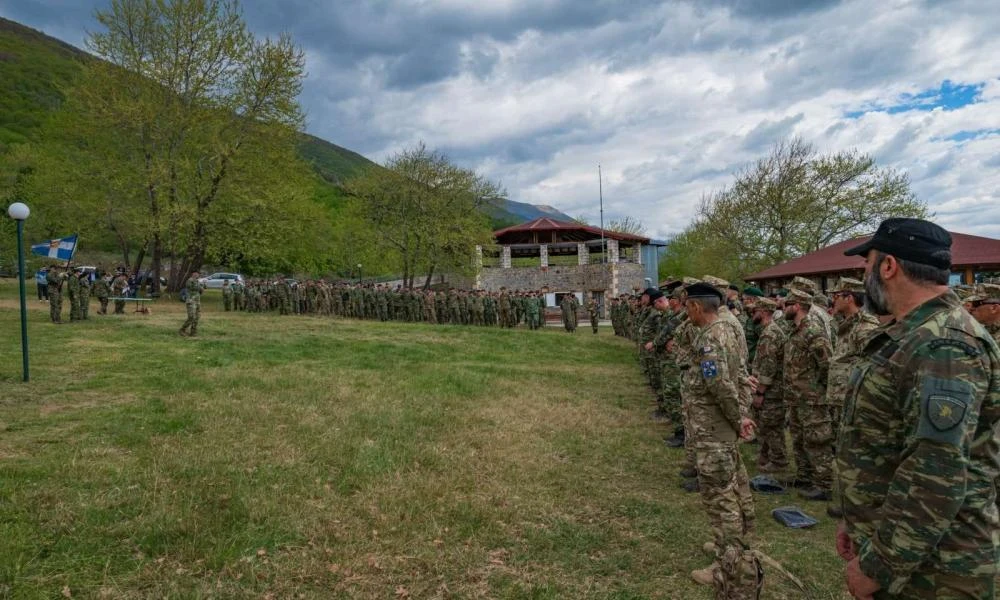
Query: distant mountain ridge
35	68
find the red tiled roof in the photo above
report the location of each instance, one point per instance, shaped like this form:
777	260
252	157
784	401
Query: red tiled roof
547	224
966	251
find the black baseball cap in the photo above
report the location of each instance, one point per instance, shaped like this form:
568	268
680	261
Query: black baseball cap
649	292
910	239
654	295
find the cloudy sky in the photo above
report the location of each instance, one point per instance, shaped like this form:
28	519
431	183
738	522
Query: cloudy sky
669	97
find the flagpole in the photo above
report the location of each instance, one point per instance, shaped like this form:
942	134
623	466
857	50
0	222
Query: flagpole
600	193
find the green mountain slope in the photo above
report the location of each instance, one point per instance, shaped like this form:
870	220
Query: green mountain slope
35	69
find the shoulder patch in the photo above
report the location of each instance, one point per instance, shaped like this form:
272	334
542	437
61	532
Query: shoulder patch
969	349
709	369
944	406
706	350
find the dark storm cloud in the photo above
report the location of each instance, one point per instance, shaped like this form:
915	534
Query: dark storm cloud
771	9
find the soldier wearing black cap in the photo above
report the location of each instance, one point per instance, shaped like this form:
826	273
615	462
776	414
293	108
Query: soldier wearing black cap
919	454
718	418
649	356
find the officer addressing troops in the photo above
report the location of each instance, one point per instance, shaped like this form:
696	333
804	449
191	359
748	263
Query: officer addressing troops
193	305
919	451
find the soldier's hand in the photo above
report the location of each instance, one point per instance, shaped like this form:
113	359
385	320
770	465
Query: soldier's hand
753	382
845	547
758	400
747	428
670	346
860	585
649	345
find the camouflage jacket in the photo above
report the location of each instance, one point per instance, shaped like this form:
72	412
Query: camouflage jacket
919	450
650	327
994	330
685	337
769	359
753	332
714	385
851	336
807	361
101	288
193	290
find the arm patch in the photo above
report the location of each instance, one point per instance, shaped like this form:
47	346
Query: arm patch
709	369
944	407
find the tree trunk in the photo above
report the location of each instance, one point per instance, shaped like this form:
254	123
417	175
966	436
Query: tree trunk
430	274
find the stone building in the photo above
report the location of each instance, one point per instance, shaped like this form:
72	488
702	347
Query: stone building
561	257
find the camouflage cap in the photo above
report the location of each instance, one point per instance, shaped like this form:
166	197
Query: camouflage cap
678	293
985	292
690	281
964	291
797	295
806	285
765	304
847	284
821	300
718	283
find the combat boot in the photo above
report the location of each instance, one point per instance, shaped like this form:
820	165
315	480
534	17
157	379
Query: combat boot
834	512
691	485
660	414
705	576
816	494
688	472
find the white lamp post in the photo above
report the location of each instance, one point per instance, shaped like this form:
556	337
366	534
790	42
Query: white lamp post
19	212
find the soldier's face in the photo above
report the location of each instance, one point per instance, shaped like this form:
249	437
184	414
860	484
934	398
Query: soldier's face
987	314
661	304
791	310
876	300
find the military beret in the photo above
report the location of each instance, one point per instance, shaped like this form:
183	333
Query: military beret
649	292
806	285
756	292
765	304
703	290
915	240
796	295
734	287
654	295
846	284
673	285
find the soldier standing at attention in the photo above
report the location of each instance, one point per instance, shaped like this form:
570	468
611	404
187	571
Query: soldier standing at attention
718	419
118	287
852	332
985	307
102	290
53	281
769	399
919	451
569	305
227	296
806	368
73	289
193	305
594	311
84	295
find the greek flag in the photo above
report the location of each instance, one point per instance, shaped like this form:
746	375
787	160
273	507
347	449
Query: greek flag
60	248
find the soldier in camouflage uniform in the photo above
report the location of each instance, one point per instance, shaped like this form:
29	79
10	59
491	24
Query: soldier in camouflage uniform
852	332
84	295
102	289
816	313
718	419
73	292
54	278
593	311
985	307
118	287
569	305
193	305
670	374
769	398
919	452
806	367
227	296
751	329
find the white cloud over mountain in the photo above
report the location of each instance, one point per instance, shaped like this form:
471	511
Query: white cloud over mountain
669	97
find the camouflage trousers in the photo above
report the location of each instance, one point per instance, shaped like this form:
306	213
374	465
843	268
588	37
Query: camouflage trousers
725	493
55	306
929	585
689	454
651	367
104	305
74	307
812	441
84	305
670	389
771	431
193	315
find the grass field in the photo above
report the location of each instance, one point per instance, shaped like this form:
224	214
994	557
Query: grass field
315	458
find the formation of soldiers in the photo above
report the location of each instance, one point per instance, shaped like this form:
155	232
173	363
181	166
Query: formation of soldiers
79	288
378	302
890	392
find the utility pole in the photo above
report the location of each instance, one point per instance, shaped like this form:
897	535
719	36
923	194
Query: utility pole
600	192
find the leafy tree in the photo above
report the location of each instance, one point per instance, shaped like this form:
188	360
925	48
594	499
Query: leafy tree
790	203
190	123
627	224
424	210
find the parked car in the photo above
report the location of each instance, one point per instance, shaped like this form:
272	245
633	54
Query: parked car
215	280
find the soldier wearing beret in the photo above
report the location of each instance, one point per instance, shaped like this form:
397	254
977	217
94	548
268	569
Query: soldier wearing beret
808	351
985	307
919	452
718	419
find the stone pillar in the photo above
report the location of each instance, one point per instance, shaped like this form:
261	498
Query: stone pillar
638	253
504	257
614	275
543	250
612	251
582	254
